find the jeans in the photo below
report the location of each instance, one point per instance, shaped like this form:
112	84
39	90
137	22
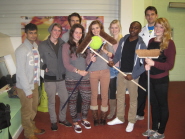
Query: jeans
28	110
113	72
51	89
121	91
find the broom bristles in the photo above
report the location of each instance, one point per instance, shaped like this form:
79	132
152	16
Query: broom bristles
108	38
84	43
144	53
88	39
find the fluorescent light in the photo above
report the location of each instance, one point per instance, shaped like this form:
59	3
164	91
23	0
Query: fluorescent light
176	4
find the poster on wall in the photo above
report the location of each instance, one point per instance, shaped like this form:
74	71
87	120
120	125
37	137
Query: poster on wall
43	23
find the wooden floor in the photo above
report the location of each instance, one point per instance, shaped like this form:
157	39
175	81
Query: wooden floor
175	127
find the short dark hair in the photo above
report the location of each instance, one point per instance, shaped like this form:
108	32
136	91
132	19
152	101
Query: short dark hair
30	27
151	8
138	23
74	14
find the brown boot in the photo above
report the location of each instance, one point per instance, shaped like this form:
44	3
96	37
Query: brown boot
95	117
112	105
31	137
39	131
103	118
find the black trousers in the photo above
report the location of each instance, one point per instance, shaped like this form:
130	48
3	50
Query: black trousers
159	105
142	95
112	88
79	103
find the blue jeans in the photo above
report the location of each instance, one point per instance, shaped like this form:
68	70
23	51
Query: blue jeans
113	72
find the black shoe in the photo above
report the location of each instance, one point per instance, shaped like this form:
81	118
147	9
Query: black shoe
96	122
54	126
102	122
66	123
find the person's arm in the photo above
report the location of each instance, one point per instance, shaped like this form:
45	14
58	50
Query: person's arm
90	57
21	57
170	53
140	64
43	65
109	51
118	52
66	58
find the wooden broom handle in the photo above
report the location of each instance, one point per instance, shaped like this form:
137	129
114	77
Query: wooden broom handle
116	68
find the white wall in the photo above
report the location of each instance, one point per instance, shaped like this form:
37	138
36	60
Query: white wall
126	15
10	64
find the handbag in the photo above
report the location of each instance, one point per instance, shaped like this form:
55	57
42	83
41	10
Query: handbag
5	118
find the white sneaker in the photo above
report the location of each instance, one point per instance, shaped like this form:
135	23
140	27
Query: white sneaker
115	122
130	127
139	117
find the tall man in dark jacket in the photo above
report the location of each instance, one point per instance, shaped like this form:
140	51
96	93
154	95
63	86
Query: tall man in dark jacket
54	74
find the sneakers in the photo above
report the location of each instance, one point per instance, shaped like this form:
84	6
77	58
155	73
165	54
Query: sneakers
130	127
54	126
157	136
39	131
86	124
66	123
77	128
115	122
139	117
151	132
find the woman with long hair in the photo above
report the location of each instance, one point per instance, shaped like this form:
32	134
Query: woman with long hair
115	31
75	65
99	72
159	77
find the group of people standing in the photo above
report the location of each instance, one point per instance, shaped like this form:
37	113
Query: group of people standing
63	67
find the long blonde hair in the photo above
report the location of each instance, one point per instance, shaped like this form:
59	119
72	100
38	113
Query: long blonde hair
167	32
120	28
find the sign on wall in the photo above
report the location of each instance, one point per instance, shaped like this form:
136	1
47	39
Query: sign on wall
43	23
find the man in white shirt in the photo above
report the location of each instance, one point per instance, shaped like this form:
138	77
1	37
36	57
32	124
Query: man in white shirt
147	33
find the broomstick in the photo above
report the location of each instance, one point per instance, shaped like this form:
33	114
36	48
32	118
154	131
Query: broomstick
152	53
105	36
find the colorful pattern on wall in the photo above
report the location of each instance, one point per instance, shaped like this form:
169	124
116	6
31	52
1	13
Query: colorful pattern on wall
43	23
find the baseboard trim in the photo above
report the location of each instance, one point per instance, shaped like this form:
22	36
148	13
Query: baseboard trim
18	132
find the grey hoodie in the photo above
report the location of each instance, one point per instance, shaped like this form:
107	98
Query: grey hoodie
25	67
138	68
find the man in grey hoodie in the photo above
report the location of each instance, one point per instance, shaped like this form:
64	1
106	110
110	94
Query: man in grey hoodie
54	74
27	81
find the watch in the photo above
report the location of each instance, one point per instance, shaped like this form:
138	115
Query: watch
76	70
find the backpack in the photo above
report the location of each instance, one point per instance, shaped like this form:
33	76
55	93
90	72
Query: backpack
5	117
